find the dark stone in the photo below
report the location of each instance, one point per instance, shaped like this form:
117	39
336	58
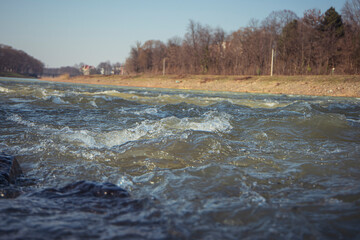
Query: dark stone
9	169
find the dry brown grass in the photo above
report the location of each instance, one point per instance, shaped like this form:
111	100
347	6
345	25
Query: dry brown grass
338	85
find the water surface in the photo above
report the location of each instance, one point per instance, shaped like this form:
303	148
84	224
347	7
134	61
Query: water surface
196	165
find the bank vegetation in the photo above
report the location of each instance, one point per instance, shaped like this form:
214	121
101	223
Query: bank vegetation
17	63
314	44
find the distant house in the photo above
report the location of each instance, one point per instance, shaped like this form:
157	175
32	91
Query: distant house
87	70
122	70
118	70
106	71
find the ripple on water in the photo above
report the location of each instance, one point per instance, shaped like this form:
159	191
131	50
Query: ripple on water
195	165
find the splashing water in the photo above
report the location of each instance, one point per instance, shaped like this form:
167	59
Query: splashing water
195	165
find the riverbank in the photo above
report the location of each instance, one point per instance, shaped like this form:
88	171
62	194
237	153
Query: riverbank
338	85
14	75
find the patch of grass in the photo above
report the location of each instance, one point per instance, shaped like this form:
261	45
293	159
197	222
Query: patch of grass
14	75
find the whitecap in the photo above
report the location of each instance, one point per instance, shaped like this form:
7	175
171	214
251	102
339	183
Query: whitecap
82	138
212	122
93	103
150	111
108	92
148	129
353	120
18	119
5	90
125	182
271	104
57	100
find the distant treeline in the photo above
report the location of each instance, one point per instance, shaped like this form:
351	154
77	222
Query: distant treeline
104	68
317	43
55	72
17	61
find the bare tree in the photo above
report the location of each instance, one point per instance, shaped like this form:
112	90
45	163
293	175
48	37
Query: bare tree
174	55
132	62
351	46
104	68
351	12
313	44
218	52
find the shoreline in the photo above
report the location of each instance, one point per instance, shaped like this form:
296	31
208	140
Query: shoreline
335	86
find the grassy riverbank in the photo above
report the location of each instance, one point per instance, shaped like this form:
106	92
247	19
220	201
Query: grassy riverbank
14	75
338	85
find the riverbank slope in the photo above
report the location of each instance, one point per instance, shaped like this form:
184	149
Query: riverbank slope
338	85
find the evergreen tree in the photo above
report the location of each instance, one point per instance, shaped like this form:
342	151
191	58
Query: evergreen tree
332	22
332	29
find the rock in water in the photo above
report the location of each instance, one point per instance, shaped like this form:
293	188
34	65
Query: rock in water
9	169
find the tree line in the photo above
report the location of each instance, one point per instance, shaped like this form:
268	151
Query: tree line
104	68
17	61
316	43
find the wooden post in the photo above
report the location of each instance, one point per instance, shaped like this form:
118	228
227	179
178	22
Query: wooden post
272	62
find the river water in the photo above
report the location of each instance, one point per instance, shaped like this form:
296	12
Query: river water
195	165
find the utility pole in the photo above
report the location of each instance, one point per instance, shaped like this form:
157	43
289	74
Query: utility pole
164	63
272	62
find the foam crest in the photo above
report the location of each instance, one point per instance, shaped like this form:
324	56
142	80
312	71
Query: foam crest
41	127
82	137
5	90
18	119
148	129
108	92
150	111
211	122
56	100
114	93
93	103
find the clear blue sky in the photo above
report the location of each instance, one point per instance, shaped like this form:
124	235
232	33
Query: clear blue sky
67	32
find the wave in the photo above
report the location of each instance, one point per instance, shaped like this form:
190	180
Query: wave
5	90
18	119
148	129
199	100
56	100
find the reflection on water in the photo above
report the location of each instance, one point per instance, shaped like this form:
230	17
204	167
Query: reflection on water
195	165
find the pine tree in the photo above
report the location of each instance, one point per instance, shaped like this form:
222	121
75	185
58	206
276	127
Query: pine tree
332	22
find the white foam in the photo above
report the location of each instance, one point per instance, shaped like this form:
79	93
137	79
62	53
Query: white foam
18	119
125	182
150	111
57	100
42	127
167	127
271	104
93	103
5	90
147	129
211	123
82	137
108	92
353	120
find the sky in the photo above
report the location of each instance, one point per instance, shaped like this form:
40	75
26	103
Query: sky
68	32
